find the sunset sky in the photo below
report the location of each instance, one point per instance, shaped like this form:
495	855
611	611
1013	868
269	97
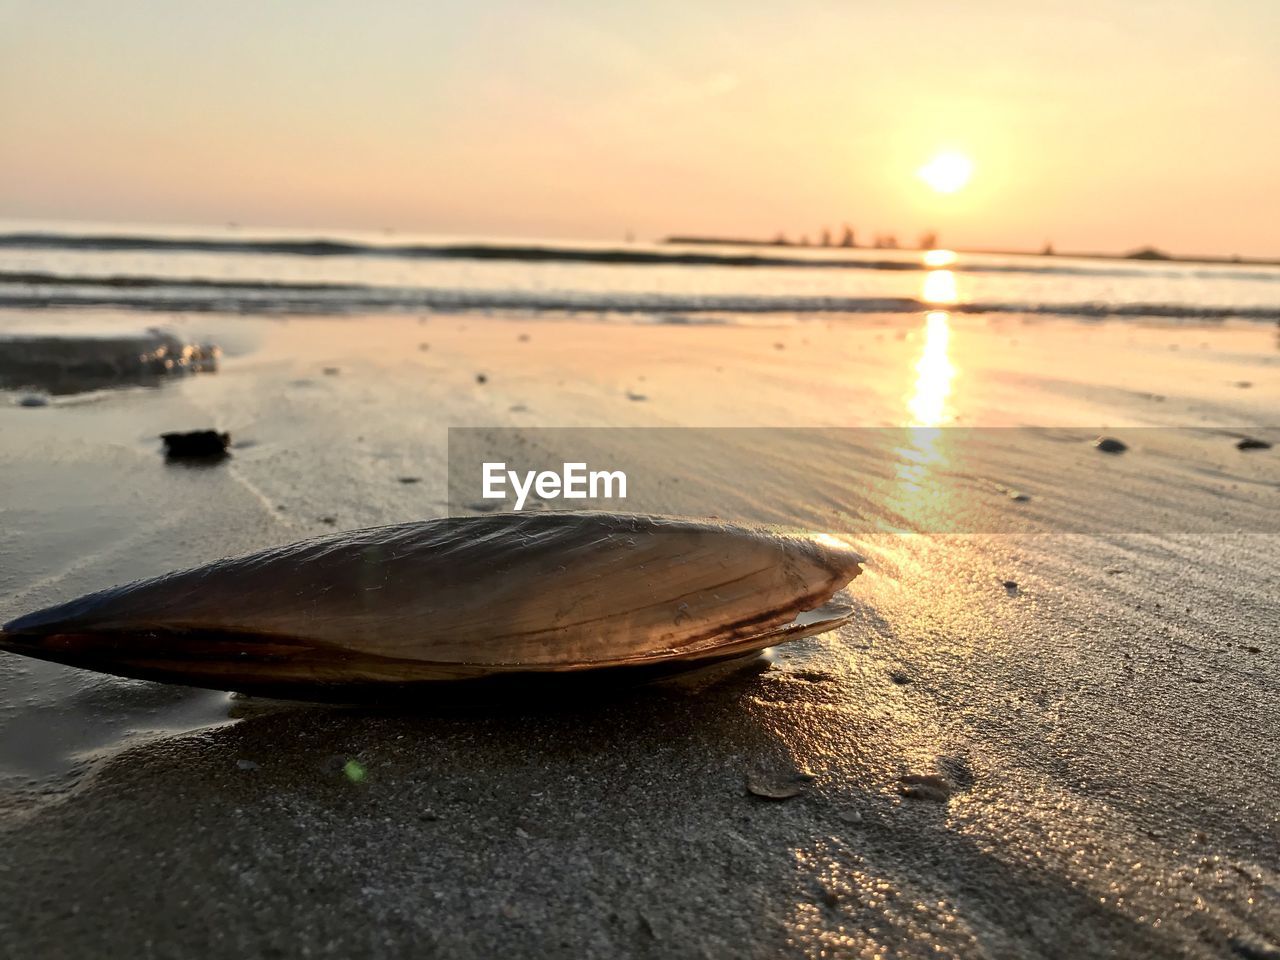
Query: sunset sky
1097	125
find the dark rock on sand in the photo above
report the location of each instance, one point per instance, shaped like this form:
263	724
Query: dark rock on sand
1252	443
196	445
33	400
67	364
409	480
1110	445
482	378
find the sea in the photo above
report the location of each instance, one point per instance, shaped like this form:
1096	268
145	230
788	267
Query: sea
236	270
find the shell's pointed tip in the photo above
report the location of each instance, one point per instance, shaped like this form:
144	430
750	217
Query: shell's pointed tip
840	553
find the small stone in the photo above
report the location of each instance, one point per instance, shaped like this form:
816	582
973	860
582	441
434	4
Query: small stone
850	816
331	371
1110	445
927	786
196	445
636	397
246	765
1010	586
33	400
777	785
898	677
1252	443
409	480
482	378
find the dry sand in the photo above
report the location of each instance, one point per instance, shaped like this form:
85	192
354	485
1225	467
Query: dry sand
1083	764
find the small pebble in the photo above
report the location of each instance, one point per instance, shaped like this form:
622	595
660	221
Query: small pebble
482	378
925	786
33	400
1252	443
196	445
246	765
773	785
1110	445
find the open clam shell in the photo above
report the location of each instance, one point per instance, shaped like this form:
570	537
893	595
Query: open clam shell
455	599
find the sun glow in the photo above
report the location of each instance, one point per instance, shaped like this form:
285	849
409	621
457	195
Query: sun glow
947	172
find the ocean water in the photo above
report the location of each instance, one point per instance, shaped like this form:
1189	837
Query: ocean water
234	270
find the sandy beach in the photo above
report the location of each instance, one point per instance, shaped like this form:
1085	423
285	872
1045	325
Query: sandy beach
1053	745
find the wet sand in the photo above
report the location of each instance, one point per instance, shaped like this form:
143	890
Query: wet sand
1081	764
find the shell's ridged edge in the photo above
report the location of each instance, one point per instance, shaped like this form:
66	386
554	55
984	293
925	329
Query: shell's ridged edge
292	669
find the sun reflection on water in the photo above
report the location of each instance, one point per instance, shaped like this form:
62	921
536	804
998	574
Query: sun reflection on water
934	372
940	287
917	500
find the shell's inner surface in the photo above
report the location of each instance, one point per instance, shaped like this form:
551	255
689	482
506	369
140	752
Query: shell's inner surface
456	598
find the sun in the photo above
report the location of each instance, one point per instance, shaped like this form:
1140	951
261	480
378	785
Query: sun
947	172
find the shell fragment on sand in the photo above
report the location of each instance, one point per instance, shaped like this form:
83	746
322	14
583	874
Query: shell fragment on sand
504	595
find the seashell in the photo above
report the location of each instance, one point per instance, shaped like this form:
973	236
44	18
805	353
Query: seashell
508	595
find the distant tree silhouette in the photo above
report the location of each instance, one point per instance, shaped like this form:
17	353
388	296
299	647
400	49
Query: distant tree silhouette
929	241
846	238
780	240
1048	249
826	236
